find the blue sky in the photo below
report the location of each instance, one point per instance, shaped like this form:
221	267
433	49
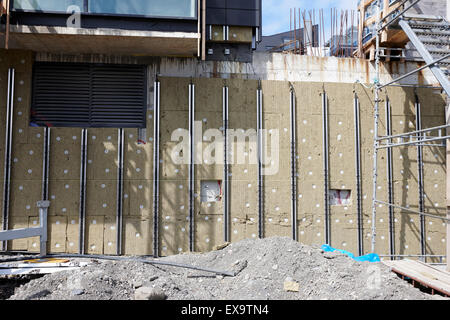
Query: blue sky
276	12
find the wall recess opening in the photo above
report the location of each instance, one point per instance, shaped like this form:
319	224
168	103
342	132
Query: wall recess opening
211	191
340	197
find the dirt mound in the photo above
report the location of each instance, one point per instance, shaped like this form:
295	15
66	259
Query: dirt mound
272	268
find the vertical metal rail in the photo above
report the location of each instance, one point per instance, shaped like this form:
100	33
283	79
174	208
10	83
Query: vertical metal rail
326	167
390	179
191	167
447	183
46	163
375	131
259	124
293	118
8	152
83	178
226	194
358	175
119	217
156	138
420	176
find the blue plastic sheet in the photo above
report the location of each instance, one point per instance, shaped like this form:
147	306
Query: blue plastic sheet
371	257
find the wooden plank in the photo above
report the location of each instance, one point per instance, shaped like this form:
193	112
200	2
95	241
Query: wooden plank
427	271
422	273
7	24
439	273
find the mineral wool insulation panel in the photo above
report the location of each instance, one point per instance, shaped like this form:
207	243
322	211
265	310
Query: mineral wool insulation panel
138	171
243	179
209	214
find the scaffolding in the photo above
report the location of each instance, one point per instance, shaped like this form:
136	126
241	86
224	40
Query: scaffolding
420	138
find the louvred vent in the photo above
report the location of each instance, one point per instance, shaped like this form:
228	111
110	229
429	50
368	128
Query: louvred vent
89	95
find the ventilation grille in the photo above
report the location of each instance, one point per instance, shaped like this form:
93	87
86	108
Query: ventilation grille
89	95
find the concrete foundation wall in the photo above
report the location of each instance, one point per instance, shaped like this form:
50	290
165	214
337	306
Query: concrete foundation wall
65	160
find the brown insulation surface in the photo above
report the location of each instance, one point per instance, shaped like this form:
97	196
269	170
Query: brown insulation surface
101	198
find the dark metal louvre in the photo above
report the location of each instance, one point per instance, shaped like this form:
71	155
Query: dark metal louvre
89	95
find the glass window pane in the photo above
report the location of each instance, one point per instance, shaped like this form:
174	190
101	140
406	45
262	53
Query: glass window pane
158	8
47	5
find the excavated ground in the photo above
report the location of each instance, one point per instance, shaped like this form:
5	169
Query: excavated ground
273	268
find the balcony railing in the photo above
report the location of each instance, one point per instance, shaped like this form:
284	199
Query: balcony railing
182	9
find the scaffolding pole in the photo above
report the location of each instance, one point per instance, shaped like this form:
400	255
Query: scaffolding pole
419	138
375	131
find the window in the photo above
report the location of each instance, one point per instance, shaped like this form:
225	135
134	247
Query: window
159	8
47	5
89	95
154	8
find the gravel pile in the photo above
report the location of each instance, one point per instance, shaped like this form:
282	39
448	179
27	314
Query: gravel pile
272	268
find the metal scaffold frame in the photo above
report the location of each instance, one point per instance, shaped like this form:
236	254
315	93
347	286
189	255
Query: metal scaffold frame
420	138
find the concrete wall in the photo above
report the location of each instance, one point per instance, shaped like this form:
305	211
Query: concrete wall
309	76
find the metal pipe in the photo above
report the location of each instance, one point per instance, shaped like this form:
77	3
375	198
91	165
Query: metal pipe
259	116
376	119
8	152
412	211
46	163
358	175
416	70
415	86
412	255
113	258
293	118
156	136
191	166
83	178
119	217
445	126
326	167
390	178
203	41
413	142
226	200
420	176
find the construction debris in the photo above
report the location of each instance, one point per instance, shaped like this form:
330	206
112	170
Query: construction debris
302	272
40	266
149	293
291	286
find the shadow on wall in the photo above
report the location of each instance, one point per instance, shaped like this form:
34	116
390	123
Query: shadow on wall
431	116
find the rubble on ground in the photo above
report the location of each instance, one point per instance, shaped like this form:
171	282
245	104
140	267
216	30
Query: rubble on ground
273	268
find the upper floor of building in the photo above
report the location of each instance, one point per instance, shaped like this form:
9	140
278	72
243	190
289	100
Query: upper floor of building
208	29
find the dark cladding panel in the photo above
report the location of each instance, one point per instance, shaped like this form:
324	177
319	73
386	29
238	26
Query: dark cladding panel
246	4
216	16
234	12
216	4
248	18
